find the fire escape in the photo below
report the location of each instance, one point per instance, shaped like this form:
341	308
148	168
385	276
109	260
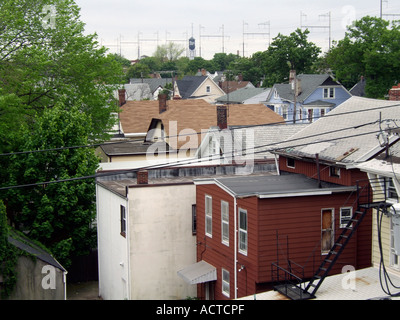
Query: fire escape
290	280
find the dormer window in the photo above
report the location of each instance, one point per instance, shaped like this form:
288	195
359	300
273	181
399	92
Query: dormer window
329	93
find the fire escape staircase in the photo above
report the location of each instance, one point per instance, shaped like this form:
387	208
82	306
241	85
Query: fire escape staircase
294	287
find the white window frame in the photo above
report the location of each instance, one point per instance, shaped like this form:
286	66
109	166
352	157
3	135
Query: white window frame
208	89
345	219
208	215
225	287
225	223
243	233
329	93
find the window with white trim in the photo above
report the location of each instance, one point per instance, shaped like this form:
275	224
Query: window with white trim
225	222
208	209
329	93
225	283
243	231
345	215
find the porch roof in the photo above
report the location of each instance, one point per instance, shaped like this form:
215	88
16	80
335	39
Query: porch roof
199	272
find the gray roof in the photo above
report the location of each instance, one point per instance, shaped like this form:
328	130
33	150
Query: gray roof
276	186
154	83
359	88
308	82
136	92
267	137
28	246
189	84
347	134
241	95
131	147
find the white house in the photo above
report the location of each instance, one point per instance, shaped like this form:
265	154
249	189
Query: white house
144	237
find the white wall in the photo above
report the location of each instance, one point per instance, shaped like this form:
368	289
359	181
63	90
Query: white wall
112	247
161	241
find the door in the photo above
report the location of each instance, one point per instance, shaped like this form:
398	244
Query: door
327	232
209	290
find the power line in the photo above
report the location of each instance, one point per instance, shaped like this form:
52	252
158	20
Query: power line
195	133
182	162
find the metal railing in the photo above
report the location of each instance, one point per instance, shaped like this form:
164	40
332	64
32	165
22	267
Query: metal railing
290	279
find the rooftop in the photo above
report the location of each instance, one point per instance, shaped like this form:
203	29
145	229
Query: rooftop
287	185
347	134
361	284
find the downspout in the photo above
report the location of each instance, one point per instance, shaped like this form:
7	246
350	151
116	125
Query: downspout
235	245
277	164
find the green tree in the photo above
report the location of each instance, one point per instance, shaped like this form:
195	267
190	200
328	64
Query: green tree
168	52
370	48
44	56
59	215
286	53
8	256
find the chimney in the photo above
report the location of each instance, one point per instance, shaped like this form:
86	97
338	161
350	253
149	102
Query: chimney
203	72
122	99
240	77
162	103
222	117
143	177
394	93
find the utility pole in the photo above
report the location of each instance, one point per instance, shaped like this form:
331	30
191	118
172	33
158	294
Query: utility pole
258	33
329	26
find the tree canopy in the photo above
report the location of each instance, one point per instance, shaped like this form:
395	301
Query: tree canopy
58	215
370	48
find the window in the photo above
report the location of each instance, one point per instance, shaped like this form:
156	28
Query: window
225	283
243	231
208	89
209	216
285	112
194	219
322	112
334	172
123	220
391	189
345	216
225	222
290	163
329	93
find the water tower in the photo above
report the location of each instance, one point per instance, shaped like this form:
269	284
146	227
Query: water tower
192	48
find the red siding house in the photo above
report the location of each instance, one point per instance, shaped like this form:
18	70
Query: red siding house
278	218
305	223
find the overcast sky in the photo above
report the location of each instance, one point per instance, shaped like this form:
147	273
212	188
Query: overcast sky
220	25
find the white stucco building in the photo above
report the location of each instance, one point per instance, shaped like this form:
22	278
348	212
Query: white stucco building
144	237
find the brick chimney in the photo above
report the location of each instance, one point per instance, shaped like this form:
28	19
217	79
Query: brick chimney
143	177
222	117
162	103
122	98
394	93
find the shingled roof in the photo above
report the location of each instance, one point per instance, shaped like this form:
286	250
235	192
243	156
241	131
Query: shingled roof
348	134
